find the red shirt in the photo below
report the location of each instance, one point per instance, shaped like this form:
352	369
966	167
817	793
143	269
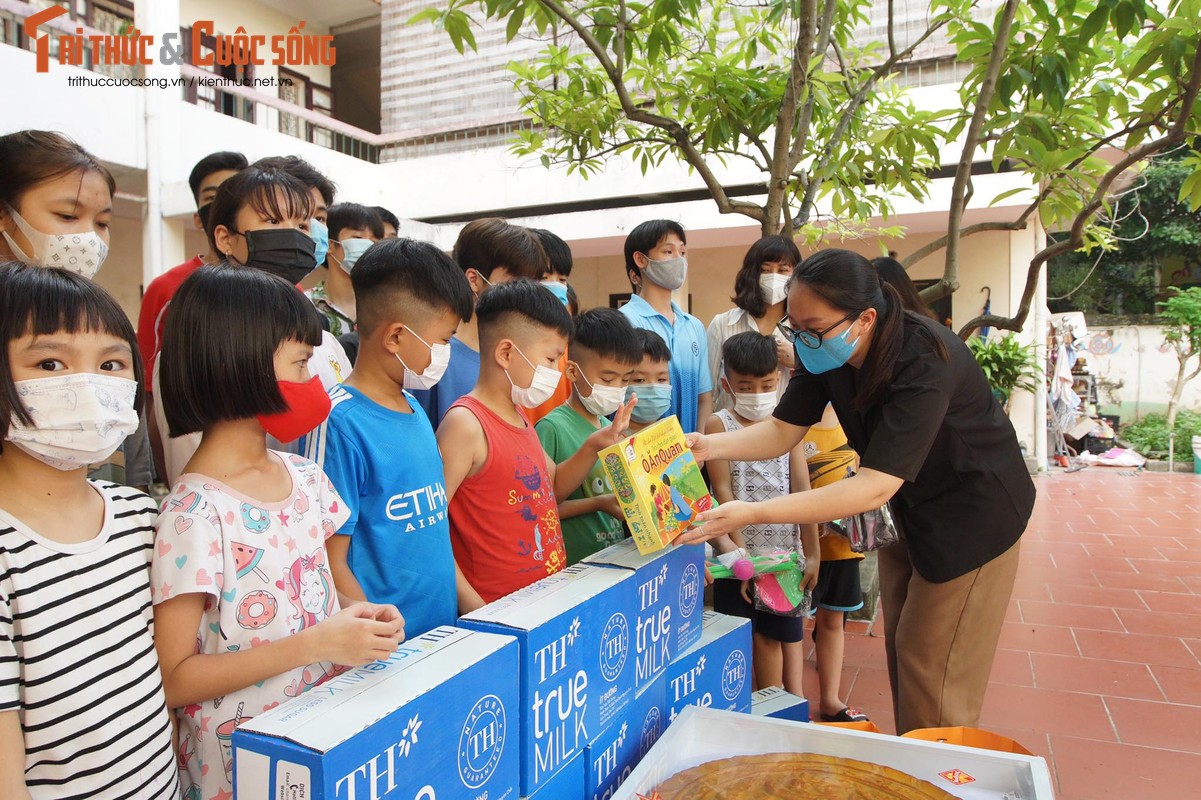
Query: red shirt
504	521
155	300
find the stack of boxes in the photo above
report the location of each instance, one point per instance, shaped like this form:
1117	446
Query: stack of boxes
556	691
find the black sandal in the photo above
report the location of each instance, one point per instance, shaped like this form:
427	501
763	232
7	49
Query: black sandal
848	714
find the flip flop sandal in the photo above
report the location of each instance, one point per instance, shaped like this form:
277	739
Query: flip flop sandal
848	714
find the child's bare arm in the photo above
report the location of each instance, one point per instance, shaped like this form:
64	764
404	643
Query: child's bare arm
704	406
798	478
12	757
348	586
604	503
357	635
568	475
469	598
723	490
463	446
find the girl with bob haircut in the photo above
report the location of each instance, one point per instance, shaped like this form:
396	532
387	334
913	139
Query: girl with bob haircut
933	443
246	612
759	294
81	699
56	203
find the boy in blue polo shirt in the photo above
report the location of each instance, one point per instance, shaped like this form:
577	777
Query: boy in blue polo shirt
657	265
378	446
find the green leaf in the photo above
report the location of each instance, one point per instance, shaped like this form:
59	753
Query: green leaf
514	26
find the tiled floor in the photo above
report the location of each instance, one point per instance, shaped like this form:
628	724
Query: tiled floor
1099	669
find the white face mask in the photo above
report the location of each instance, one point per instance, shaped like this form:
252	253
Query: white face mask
755	406
604	400
668	273
82	253
78	419
427	378
773	287
545	381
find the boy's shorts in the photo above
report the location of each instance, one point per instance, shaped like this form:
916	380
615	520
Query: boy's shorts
727	599
838	587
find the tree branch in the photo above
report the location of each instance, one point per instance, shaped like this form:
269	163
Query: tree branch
892	41
805	118
798	77
1175	135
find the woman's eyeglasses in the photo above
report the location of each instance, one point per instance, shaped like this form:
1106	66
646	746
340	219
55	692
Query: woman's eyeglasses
811	339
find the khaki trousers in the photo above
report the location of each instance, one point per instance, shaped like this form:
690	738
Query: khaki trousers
940	638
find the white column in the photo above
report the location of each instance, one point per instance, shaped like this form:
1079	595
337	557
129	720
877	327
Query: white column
161	248
1038	329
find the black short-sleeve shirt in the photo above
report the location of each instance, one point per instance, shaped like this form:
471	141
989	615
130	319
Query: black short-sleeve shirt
967	495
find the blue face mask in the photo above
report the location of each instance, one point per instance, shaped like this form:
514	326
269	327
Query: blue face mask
831	354
558	289
352	249
320	234
654	399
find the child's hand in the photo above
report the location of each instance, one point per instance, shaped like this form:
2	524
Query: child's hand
609	505
610	435
698	443
708	576
358	635
746	593
809	579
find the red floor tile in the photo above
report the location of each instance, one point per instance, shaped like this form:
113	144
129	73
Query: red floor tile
1096	596
1021	708
1171	602
1181	685
1094	770
1070	616
1171	727
1012	667
1034	590
1136	580
1186	626
1037	638
1094	676
1135	647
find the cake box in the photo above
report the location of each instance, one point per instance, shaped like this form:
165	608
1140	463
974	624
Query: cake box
670	587
576	671
701	735
657	483
716	671
775	702
613	755
446	697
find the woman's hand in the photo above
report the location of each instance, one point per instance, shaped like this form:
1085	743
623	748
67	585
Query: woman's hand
698	443
726	518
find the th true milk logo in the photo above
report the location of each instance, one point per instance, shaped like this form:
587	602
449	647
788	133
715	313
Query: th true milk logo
614	645
733	674
690	590
654	628
559	705
652	726
482	741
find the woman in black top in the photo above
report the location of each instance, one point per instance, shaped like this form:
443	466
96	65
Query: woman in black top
933	441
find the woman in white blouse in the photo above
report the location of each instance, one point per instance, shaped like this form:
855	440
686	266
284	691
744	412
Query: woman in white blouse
758	306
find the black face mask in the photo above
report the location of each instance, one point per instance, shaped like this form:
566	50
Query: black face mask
203	213
286	252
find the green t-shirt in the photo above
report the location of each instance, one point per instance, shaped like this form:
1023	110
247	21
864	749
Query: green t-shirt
562	433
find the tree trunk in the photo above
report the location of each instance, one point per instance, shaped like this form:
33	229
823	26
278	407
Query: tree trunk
1178	389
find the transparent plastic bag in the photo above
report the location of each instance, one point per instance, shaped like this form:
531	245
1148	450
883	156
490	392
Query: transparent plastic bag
868	531
780	592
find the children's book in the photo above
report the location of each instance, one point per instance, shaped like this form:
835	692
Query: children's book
658	484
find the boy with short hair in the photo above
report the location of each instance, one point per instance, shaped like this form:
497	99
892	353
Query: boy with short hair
353	228
489	251
390	220
558	267
750	376
604	350
378	447
657	265
650	382
504	520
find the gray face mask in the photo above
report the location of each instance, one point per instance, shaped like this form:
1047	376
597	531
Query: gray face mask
668	273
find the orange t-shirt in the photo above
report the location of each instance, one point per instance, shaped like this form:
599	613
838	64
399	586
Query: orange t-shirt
830	459
562	392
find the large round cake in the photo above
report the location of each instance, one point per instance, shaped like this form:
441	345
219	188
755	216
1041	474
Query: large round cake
796	776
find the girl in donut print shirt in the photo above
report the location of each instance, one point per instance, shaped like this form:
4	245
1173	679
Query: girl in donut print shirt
246	612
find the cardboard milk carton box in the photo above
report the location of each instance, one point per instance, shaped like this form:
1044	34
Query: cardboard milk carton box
437	719
613	755
670	584
575	629
714	672
658	484
567	783
775	702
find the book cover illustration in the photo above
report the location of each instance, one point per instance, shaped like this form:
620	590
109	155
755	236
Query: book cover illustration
657	483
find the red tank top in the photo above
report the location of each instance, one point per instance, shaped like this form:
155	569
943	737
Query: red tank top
504	521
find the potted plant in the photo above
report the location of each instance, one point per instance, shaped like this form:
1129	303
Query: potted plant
1007	364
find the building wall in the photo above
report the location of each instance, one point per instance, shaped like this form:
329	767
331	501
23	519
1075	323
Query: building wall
1135	370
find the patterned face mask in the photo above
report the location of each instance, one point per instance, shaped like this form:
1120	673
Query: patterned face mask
82	253
78	419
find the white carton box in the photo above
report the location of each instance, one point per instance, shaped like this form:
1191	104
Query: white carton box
700	735
576	671
437	719
775	702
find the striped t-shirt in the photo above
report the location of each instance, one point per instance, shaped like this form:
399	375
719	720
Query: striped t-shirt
77	659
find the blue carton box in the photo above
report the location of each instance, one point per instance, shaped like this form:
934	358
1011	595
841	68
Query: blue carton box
577	669
614	754
775	702
566	784
714	672
670	585
445	698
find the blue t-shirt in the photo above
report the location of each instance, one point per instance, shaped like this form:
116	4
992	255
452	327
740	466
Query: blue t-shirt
387	467
690	376
462	373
